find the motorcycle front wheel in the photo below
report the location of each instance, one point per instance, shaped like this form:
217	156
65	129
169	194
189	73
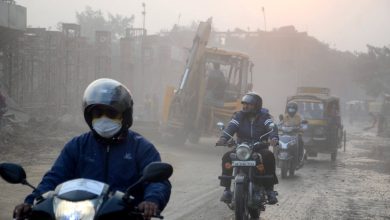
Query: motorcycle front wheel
284	168
254	213
240	200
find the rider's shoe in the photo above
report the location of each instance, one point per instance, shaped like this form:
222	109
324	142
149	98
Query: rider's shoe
271	195
226	196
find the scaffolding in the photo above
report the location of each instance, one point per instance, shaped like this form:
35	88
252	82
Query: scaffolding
46	72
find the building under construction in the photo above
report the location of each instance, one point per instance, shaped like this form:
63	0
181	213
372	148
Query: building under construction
45	72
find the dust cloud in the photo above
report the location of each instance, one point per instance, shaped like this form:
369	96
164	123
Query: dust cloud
44	71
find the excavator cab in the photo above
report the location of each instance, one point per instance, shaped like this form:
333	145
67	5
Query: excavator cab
210	90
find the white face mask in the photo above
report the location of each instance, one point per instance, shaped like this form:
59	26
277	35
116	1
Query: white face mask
291	110
106	127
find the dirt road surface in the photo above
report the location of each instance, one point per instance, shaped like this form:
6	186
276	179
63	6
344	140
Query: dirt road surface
355	186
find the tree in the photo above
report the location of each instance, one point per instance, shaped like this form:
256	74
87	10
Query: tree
373	70
93	20
119	23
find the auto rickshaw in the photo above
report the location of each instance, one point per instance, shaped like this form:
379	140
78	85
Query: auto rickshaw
325	132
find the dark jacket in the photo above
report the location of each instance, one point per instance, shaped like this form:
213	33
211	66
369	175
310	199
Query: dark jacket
250	131
119	165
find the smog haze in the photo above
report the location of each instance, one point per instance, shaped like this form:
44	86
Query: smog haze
344	25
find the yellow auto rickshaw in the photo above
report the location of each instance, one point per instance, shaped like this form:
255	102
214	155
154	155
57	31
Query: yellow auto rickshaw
325	132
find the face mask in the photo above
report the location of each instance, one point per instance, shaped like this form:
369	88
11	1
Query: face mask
106	127
291	110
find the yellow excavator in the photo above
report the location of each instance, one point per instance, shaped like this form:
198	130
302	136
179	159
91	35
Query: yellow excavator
192	110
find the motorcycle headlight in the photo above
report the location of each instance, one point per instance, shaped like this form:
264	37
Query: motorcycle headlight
243	152
83	210
283	145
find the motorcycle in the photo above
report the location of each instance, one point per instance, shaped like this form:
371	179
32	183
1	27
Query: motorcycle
248	199
287	152
86	199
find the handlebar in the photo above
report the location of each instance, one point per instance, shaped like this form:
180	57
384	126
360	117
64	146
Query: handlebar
227	144
137	212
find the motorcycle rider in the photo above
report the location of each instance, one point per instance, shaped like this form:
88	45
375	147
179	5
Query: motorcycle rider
109	152
293	118
249	124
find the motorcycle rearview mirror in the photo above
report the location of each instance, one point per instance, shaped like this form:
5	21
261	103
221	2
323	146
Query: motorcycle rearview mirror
271	127
221	125
281	117
157	171
14	174
154	172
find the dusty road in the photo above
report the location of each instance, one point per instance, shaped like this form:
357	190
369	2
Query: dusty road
356	186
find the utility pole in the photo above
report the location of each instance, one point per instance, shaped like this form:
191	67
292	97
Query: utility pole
143	45
178	20
144	15
265	21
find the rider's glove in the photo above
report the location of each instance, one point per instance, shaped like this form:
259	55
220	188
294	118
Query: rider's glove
22	211
274	141
221	142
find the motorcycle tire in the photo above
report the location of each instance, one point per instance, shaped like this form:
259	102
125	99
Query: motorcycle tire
292	170
254	213
241	200
284	169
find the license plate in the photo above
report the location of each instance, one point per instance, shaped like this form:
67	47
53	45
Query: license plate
244	163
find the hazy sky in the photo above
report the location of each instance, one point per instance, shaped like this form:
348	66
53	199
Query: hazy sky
343	24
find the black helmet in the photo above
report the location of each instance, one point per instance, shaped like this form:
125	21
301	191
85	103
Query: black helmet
292	108
253	99
110	93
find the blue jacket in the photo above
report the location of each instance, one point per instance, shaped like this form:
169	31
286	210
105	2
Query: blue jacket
119	165
248	131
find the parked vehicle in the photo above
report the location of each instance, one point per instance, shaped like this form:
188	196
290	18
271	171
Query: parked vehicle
249	199
85	199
